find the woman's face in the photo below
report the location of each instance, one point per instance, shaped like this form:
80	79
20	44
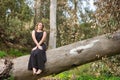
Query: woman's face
40	27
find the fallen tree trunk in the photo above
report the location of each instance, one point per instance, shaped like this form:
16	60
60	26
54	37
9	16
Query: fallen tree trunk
7	66
64	58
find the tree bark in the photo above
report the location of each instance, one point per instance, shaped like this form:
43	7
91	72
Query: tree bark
53	33
64	58
37	8
5	73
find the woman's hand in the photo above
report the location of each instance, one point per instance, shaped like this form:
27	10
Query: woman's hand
34	48
40	47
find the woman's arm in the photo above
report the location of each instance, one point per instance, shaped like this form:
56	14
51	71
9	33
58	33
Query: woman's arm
34	39
43	38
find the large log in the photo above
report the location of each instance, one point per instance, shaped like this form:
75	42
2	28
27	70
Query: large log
64	58
5	68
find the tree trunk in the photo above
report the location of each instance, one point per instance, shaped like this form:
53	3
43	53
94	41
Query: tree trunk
53	33
37	8
64	58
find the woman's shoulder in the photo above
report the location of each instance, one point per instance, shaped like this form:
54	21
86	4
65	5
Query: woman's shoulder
44	32
33	30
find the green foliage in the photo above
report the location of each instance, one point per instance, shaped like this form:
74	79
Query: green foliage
2	54
91	71
108	19
86	77
10	78
43	12
113	64
90	77
14	15
72	27
108	15
63	76
69	34
15	53
17	8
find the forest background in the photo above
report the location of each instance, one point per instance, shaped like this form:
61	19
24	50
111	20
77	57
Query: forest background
76	20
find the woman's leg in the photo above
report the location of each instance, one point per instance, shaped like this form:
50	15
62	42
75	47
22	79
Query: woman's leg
40	61
34	62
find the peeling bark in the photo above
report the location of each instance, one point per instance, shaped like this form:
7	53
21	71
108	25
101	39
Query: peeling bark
5	72
65	57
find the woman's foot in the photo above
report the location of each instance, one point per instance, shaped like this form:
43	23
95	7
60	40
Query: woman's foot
34	71
38	72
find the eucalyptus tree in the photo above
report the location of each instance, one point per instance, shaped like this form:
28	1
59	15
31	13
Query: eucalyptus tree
17	9
53	29
107	18
13	16
41	12
74	21
108	15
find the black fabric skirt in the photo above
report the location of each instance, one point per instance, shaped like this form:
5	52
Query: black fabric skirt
37	58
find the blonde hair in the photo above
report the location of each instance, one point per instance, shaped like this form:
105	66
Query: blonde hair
36	26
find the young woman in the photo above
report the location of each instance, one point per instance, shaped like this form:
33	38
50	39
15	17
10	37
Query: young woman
38	54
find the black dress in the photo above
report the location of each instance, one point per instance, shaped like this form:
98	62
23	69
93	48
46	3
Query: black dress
38	57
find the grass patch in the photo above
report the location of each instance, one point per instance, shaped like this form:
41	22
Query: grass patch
15	53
